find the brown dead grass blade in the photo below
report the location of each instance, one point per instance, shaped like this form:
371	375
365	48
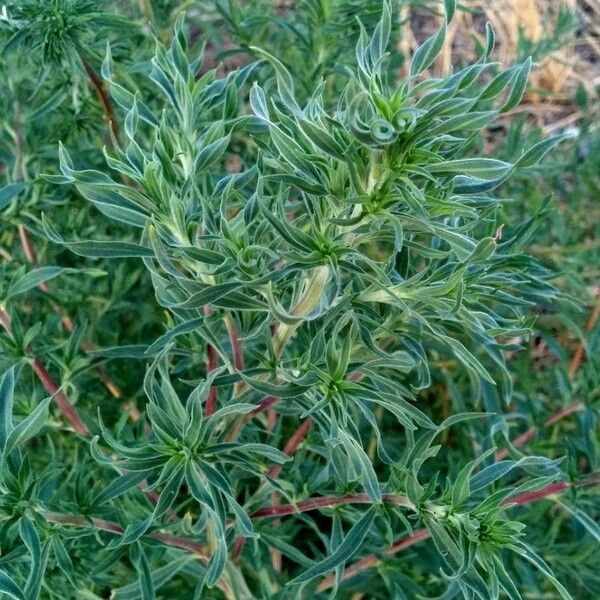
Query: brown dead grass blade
554	80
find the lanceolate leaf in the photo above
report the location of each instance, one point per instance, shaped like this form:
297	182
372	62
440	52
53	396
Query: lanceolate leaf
27	428
344	551
32	279
9	587
7	386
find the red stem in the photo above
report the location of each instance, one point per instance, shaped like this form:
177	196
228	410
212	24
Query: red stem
179	542
67	409
326	502
238	355
107	106
67	323
264	404
211	364
553	488
27	246
364	563
420	535
574	366
292	445
5	320
166	538
530	433
372	559
290	448
565	412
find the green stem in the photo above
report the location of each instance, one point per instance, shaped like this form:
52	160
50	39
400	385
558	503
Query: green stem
313	290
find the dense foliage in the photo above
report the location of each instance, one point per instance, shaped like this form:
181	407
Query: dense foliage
289	325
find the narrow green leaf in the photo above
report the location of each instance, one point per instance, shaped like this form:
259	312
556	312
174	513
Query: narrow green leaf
28	427
9	192
482	168
351	543
9	587
518	88
7	388
33	279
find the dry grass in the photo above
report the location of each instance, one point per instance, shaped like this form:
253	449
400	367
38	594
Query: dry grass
555	79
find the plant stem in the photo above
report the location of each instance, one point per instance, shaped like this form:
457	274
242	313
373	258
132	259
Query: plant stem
579	354
107	107
304	506
29	249
111	527
530	433
211	364
574	366
290	449
236	347
236	350
372	560
67	323
67	409
292	445
326	502
309	300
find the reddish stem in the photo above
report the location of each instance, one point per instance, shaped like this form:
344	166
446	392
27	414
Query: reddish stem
238	547
236	348
530	433
67	409
107	106
575	364
28	249
420	535
368	561
524	498
292	445
78	521
5	320
326	502
579	354
67	323
290	448
271	419
179	542
565	412
372	559
211	364
166	538
264	404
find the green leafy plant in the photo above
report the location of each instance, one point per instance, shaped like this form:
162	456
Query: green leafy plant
302	295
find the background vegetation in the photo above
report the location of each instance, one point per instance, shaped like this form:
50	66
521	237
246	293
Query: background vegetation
441	441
